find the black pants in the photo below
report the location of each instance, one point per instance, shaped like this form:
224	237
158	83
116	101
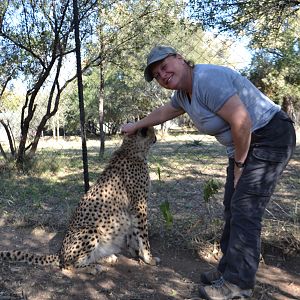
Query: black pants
271	148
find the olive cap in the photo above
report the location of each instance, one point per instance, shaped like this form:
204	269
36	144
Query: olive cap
156	54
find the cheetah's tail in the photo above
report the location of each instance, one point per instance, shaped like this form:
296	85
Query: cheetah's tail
30	258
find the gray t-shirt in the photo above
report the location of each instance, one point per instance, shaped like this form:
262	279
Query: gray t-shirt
212	87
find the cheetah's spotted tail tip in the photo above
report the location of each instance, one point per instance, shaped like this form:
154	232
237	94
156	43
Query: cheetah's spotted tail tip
30	258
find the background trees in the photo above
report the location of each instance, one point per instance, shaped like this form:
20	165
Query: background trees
262	19
38	48
40	35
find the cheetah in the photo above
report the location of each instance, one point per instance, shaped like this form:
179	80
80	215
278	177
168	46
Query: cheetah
112	215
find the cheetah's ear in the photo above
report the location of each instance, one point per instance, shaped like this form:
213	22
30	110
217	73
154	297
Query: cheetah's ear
144	132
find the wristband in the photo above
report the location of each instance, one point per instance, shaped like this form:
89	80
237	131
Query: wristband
239	164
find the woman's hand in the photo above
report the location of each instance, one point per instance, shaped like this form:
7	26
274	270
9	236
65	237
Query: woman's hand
129	128
236	115
237	174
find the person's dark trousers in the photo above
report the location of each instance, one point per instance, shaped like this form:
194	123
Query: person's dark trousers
271	148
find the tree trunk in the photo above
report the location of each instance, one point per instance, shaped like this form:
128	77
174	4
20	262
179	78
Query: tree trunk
101	83
57	128
38	134
25	122
53	129
101	112
49	113
288	107
80	96
10	137
3	152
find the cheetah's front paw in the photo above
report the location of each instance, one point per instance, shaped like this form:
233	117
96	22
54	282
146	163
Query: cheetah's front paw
152	261
112	259
94	269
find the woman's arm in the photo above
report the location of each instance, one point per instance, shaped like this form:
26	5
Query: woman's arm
235	113
158	116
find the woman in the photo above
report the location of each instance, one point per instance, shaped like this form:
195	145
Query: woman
259	138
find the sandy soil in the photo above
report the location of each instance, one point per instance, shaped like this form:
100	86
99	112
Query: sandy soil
177	277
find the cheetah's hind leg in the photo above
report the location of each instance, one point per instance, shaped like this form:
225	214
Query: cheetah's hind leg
83	249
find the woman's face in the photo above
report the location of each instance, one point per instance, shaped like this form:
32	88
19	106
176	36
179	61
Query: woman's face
170	72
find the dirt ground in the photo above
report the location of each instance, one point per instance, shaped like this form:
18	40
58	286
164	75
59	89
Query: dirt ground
177	276
183	168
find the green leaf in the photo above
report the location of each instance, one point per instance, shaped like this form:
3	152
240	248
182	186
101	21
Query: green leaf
165	209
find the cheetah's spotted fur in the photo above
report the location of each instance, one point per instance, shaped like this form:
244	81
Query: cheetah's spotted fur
112	214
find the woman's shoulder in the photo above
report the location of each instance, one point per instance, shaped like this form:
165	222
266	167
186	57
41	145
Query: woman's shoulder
210	72
203	68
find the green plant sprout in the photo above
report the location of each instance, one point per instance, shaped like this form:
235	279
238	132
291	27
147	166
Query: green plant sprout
159	172
165	210
211	187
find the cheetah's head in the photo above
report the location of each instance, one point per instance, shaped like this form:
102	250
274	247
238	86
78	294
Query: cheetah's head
141	141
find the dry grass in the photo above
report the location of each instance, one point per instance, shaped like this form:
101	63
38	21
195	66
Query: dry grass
180	166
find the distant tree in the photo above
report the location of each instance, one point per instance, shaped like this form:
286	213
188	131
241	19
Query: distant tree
42	35
9	60
275	68
262	19
9	106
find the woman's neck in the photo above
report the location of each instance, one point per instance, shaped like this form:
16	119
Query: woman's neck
189	82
